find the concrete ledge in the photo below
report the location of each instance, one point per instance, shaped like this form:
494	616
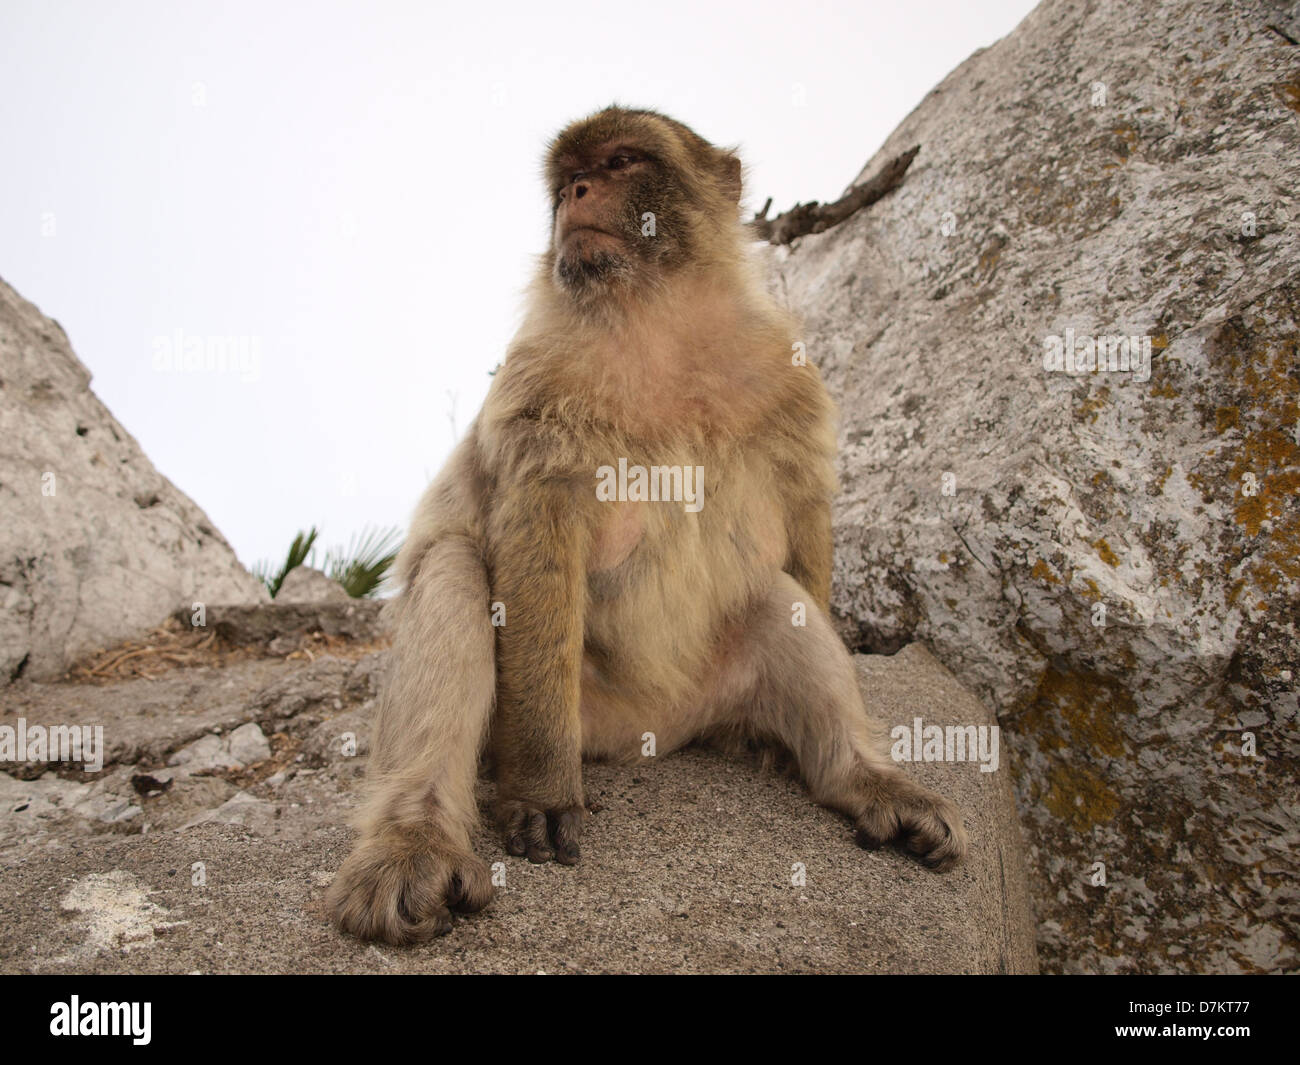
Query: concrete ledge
687	867
265	624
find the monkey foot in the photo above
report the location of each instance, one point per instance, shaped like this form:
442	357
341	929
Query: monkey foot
926	824
399	888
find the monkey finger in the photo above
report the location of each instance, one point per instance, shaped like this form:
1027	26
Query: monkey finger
538	838
514	823
566	829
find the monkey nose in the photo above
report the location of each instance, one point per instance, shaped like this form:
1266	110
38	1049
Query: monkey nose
580	189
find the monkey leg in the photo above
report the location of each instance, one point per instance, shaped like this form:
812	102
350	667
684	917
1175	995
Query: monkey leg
796	684
414	861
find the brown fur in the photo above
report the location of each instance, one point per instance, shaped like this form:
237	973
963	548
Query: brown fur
621	617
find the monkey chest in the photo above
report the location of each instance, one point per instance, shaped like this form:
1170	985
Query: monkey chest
621	528
731	527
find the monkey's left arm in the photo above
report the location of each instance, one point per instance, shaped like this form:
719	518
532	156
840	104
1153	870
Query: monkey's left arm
804	462
538	539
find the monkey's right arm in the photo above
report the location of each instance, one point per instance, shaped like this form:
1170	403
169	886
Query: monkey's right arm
804	467
413	861
538	546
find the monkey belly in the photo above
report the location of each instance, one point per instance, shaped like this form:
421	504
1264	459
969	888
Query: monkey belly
663	620
623	722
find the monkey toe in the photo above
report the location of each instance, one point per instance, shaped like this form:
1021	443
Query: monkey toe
936	836
470	887
415	926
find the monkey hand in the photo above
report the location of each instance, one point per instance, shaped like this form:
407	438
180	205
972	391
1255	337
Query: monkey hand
400	885
927	824
542	835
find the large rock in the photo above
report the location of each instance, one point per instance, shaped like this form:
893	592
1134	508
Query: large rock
1110	559
95	544
692	862
306	585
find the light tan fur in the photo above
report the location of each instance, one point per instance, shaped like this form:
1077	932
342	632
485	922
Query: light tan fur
621	618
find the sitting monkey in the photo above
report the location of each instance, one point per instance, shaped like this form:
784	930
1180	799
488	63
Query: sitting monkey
649	343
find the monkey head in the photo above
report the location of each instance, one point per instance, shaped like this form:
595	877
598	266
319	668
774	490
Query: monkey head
636	195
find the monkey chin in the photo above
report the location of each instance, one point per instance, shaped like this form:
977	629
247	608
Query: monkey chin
585	272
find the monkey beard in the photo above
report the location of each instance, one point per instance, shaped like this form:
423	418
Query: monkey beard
590	276
643	259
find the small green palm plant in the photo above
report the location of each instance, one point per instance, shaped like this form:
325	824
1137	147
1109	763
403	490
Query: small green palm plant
361	568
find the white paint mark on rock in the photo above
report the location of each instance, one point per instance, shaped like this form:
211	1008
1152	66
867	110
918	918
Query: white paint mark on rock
116	913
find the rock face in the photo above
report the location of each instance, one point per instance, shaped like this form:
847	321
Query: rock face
95	544
307	585
691	862
1110	558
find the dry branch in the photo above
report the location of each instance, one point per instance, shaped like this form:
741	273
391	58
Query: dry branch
816	217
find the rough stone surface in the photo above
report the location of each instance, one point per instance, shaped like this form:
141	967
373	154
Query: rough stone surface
1111	562
688	864
245	746
95	544
279	626
307	585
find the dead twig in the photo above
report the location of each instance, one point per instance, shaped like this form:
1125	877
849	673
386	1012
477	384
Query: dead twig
106	668
817	217
177	645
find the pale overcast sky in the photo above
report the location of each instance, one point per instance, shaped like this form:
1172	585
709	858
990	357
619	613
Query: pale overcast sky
350	192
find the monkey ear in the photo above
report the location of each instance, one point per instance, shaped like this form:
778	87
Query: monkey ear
729	177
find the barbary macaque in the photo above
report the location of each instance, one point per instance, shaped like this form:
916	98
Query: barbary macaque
633	537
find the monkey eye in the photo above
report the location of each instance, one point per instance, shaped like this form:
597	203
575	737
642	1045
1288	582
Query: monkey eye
619	161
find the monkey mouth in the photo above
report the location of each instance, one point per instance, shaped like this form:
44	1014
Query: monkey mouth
569	234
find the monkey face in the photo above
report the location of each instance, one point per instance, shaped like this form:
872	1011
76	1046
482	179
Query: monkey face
597	236
635	195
